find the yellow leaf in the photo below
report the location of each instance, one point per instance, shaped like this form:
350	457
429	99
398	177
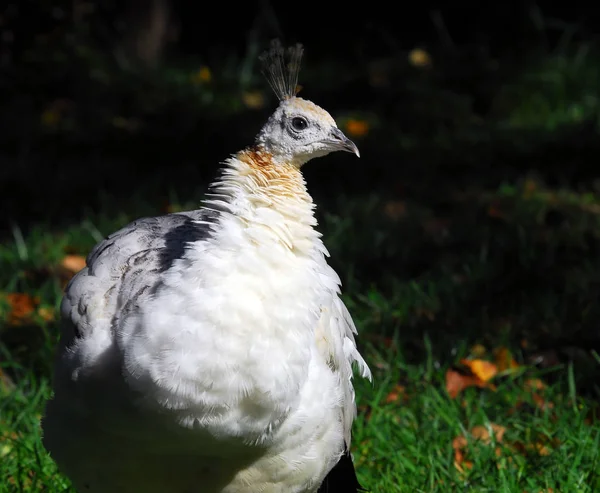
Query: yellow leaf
418	57
485	370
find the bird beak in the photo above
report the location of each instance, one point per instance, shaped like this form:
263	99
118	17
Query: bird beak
342	143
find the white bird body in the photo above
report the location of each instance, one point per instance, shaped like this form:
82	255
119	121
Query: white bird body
208	351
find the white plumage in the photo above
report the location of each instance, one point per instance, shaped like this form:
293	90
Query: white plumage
209	351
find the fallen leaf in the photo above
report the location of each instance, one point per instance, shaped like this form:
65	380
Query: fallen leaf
397	393
73	263
483	369
460	463
21	307
457	382
482	433
538	448
459	442
418	57
532	384
357	128
504	360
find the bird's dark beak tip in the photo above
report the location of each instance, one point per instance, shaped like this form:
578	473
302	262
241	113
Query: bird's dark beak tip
341	142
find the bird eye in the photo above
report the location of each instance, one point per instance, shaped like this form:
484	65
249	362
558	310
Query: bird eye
299	123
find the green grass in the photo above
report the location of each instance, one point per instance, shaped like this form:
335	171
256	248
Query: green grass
458	227
413	328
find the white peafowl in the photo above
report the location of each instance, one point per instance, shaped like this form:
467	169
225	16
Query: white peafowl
209	351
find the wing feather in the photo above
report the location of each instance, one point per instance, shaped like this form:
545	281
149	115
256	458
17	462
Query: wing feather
121	270
335	340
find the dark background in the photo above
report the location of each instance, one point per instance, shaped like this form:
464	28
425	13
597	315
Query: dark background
104	116
96	60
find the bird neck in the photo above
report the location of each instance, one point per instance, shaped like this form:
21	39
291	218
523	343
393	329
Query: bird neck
270	199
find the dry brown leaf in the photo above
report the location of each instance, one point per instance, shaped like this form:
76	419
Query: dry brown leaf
460	463
485	370
459	442
482	433
532	384
536	447
73	263
457	382
21	307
